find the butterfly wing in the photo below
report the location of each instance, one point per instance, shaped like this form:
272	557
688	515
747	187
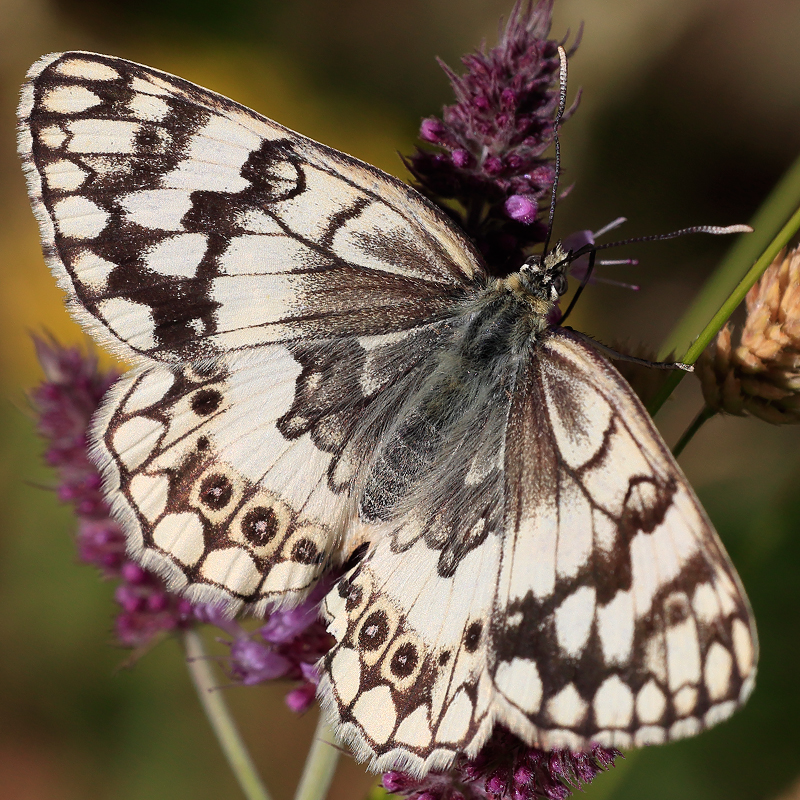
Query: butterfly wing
599	607
626	609
183	225
268	289
233	478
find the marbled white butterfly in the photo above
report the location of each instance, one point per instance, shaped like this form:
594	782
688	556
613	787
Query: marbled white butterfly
319	364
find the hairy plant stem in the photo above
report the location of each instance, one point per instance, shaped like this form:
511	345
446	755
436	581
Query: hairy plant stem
320	764
222	722
703	416
726	309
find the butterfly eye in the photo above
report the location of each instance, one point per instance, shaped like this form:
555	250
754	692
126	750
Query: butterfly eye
559	286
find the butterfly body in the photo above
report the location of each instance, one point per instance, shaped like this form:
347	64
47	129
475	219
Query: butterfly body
320	362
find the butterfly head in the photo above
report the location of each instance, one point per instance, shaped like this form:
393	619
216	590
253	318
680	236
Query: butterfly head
545	277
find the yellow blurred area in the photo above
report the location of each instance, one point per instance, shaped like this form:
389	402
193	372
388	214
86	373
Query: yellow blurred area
691	112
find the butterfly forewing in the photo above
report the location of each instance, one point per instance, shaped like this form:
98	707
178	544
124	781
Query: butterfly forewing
320	362
188	231
166	209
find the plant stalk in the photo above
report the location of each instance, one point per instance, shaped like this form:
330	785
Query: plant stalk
703	416
320	764
726	309
221	720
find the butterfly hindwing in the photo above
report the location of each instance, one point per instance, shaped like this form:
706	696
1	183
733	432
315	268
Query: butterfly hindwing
212	494
234	479
166	209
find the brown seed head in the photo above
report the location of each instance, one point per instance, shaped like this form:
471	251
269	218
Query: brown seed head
760	377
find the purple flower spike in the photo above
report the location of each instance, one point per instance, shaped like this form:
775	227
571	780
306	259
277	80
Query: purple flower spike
302	698
578	239
72	390
396	782
496	133
461	158
285	626
507	768
432	130
580	266
254	662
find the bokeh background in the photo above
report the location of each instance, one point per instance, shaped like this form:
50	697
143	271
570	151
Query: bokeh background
691	113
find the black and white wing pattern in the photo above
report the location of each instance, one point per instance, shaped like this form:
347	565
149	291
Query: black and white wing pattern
266	289
583	597
183	225
319	362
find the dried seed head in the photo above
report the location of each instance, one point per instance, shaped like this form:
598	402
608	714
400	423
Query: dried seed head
760	377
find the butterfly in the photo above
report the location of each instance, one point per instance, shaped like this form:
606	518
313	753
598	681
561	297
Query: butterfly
321	366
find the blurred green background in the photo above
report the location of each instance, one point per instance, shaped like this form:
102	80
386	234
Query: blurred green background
691	112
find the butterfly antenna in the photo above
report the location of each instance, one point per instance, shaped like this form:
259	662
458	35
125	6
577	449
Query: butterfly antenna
592	249
715	230
562	104
579	290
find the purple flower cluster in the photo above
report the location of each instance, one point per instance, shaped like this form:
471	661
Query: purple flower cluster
507	768
65	402
494	138
287	645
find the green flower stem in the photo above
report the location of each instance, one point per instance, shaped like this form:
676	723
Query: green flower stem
783	199
221	720
727	308
320	764
705	414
